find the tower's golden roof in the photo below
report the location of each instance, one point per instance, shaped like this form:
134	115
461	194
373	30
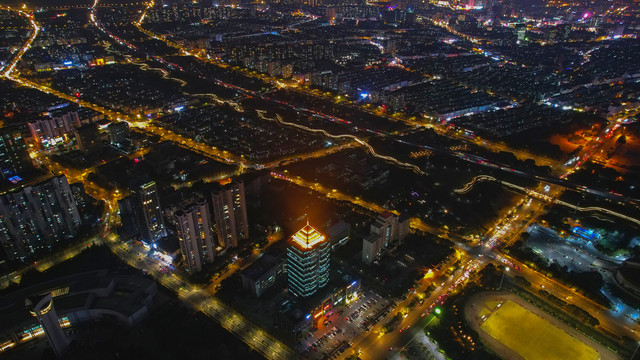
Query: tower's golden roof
308	237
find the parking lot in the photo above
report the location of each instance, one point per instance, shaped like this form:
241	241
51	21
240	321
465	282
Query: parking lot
572	252
336	330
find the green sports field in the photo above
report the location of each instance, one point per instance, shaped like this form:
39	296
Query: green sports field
532	337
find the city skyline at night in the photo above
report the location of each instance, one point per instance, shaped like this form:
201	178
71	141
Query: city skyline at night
319	179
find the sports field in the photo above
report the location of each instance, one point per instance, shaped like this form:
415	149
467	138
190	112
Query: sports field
532	337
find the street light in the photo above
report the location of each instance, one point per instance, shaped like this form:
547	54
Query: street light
635	351
502	279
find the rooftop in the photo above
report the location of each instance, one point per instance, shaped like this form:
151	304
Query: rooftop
308	237
372	238
261	266
91	291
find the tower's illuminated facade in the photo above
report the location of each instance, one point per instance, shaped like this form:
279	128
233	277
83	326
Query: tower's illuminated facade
46	314
195	234
151	211
230	214
308	259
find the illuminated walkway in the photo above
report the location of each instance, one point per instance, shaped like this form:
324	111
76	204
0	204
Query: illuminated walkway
544	197
369	148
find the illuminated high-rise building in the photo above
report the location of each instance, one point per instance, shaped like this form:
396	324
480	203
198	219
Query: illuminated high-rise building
308	259
521	31
371	248
141	213
119	134
390	228
14	157
88	138
53	128
386	226
38	217
230	214
152	218
195	233
46	314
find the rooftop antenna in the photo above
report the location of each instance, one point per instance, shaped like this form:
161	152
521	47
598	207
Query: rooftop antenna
306	229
